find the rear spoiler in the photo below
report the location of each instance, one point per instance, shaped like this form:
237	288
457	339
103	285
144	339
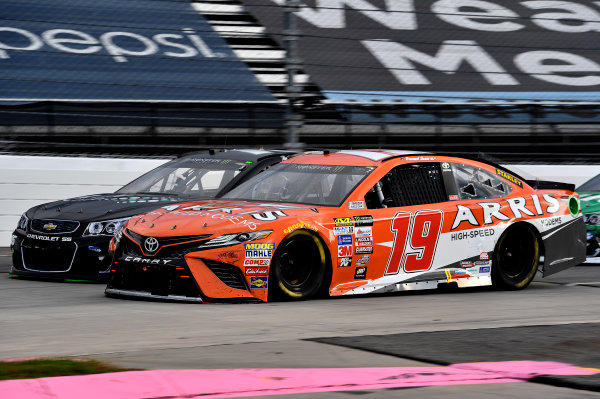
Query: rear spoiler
550	185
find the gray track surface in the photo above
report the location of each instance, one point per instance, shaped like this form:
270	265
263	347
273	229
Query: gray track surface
553	319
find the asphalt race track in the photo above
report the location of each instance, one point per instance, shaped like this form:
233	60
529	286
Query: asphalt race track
554	320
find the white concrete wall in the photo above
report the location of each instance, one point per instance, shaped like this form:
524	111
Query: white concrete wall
26	181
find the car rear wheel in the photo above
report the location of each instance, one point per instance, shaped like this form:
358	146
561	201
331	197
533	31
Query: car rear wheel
299	266
515	258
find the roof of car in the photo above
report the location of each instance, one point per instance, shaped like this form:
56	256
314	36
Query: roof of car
366	157
244	154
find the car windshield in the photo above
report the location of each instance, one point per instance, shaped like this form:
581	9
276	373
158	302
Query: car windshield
326	185
191	177
591	185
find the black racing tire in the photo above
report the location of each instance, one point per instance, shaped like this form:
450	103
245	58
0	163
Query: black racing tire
299	267
516	258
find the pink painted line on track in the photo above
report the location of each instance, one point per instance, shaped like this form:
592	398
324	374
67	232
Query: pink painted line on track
231	383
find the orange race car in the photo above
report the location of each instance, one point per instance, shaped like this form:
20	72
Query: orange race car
352	222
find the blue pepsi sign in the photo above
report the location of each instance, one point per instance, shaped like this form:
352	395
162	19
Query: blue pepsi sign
126	50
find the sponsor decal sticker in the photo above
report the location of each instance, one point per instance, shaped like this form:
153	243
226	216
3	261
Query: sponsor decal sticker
364	241
257	271
258	282
345	261
345	239
363	220
453	197
257	262
364	231
298	226
509	177
343	230
475	233
259	250
363	260
484	256
360	273
555	221
344	250
230	255
364	250
466	264
339	222
484	269
356	205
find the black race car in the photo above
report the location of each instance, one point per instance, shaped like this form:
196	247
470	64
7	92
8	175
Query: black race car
68	240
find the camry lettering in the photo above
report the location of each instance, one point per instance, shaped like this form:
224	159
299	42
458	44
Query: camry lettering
136	259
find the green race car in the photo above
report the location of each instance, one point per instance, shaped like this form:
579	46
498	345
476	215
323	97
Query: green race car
589	193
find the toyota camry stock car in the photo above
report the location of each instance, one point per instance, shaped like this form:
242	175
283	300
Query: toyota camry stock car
68	239
352	222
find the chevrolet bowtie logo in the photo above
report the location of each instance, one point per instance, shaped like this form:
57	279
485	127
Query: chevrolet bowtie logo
49	226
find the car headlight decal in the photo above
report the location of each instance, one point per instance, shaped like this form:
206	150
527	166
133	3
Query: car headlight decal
105	227
236	238
23	222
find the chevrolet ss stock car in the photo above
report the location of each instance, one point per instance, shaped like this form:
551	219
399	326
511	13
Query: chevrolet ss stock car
352	222
68	239
590	205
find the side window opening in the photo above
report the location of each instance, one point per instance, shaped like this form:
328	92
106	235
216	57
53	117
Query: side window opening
405	185
477	183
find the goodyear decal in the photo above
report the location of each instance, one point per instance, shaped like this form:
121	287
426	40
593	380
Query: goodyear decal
300	225
509	177
258	282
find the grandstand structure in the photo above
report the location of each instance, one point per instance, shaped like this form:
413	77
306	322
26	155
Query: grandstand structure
332	101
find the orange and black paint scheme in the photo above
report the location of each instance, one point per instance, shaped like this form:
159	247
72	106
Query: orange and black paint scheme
352	222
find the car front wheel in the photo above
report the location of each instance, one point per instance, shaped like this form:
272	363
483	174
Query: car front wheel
298	268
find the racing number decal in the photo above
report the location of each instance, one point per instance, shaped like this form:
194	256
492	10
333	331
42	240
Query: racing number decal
415	240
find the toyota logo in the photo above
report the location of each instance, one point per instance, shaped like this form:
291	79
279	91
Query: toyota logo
151	244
